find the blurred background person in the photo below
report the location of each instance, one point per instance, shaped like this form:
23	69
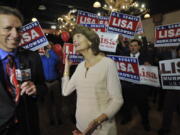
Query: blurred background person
171	104
53	99
136	95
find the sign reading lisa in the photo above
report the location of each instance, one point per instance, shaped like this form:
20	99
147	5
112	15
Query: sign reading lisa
170	67
86	18
128	68
69	50
167	35
170	74
108	41
33	37
123	24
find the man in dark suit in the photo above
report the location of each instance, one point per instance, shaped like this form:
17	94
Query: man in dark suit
171	104
18	109
136	94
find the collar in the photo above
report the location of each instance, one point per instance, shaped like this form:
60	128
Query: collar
4	54
136	55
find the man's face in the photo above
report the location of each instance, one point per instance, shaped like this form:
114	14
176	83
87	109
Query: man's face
134	47
9	32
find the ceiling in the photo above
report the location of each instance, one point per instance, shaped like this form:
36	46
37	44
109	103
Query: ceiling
56	8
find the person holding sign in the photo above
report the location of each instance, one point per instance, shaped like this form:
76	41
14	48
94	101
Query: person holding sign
97	86
21	78
136	94
171	103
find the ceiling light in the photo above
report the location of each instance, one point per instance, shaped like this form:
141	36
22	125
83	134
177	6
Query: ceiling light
53	27
99	14
136	4
143	6
34	19
60	19
42	7
126	6
73	10
141	9
105	6
97	4
147	15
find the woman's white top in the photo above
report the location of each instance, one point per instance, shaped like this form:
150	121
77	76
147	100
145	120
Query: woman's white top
98	91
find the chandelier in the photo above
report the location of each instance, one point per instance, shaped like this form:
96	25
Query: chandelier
67	22
125	6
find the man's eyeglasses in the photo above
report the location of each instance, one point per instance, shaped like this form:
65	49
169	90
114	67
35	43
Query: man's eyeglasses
10	28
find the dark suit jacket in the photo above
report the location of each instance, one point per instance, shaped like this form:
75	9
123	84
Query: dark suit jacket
128	86
26	110
143	57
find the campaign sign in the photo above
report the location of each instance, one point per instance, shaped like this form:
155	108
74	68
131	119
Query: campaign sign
76	58
33	37
149	75
170	74
139	29
167	35
86	18
69	50
96	27
103	20
123	24
128	68
108	41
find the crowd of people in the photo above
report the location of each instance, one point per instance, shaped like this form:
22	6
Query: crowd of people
100	93
139	95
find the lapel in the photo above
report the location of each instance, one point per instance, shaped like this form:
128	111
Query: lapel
142	58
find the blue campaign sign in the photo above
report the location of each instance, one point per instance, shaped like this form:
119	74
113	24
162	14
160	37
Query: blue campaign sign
128	68
139	29
104	20
33	37
96	27
123	24
86	18
75	58
167	35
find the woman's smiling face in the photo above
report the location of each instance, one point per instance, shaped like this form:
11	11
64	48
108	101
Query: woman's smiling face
81	42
